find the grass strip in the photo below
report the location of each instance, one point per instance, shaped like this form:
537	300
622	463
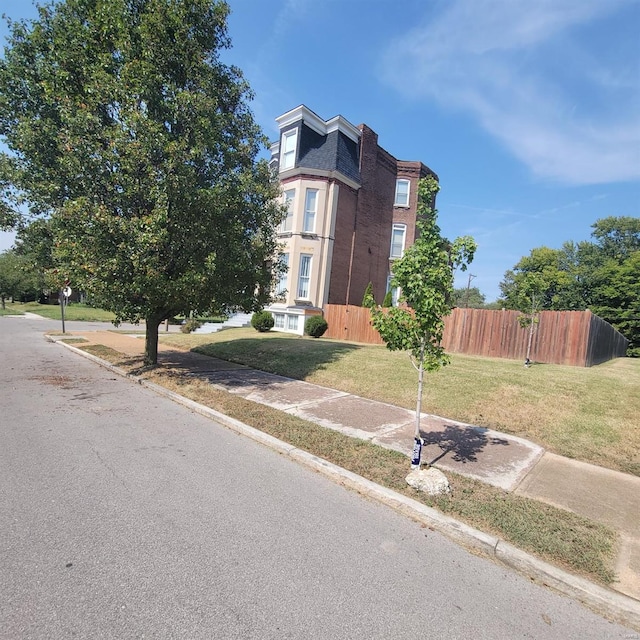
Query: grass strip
73	311
589	414
10	311
557	536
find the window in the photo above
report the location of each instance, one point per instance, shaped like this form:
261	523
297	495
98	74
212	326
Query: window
310	205
278	320
281	287
397	240
288	153
292	323
304	277
402	193
395	291
287	223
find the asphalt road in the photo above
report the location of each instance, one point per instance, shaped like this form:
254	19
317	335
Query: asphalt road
124	515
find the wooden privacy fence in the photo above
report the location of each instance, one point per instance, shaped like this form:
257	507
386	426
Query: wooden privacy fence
576	338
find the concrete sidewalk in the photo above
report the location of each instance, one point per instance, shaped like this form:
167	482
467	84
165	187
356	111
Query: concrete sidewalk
499	459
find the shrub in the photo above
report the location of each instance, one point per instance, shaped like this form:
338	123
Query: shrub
190	325
315	326
367	299
388	300
262	321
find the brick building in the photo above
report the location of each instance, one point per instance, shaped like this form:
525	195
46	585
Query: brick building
351	212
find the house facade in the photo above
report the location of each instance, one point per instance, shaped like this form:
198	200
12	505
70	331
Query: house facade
351	212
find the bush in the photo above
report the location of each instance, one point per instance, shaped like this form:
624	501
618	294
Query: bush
315	326
262	321
368	300
190	325
388	300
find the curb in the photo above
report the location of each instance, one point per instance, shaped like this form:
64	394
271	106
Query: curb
606	602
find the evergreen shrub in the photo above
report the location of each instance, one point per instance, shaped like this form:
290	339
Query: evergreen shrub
315	326
262	321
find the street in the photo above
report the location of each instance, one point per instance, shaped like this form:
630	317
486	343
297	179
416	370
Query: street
124	515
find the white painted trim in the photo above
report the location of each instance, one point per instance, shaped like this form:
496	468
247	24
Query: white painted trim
320	173
317	124
395	197
312	120
398	226
338	123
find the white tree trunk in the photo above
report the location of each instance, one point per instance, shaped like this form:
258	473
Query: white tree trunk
420	382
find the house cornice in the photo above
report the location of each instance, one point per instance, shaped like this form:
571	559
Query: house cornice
317	124
307	172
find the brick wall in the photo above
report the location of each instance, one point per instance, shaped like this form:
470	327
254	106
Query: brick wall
412	171
374	218
344	229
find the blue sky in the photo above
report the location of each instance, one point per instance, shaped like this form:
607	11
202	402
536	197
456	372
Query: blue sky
528	110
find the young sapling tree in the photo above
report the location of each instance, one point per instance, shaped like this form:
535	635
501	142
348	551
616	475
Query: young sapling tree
424	275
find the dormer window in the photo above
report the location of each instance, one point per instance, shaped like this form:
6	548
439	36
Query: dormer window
402	193
288	150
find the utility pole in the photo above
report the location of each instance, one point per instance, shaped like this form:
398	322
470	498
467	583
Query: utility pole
466	296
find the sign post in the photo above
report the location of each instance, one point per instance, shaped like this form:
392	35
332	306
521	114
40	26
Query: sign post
61	300
64	298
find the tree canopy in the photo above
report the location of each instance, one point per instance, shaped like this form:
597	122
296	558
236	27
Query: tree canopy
602	275
17	280
468	297
129	133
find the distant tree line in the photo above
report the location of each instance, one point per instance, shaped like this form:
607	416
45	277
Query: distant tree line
602	275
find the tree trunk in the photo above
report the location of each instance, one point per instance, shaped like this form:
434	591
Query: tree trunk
420	382
151	340
3	306
530	337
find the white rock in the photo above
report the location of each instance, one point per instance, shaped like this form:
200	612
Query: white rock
431	481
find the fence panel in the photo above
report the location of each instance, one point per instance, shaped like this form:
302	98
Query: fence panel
348	322
575	338
605	342
559	337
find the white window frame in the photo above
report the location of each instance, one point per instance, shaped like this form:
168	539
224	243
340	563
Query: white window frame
281	287
293	322
395	291
278	320
402	198
304	277
288	148
289	197
402	228
310	210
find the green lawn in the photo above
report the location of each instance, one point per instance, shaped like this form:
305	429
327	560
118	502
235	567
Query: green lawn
73	311
589	414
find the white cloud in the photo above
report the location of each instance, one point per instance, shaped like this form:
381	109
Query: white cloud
534	75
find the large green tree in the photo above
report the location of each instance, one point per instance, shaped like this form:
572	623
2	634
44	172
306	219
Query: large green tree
602	275
131	135
35	244
425	276
17	279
